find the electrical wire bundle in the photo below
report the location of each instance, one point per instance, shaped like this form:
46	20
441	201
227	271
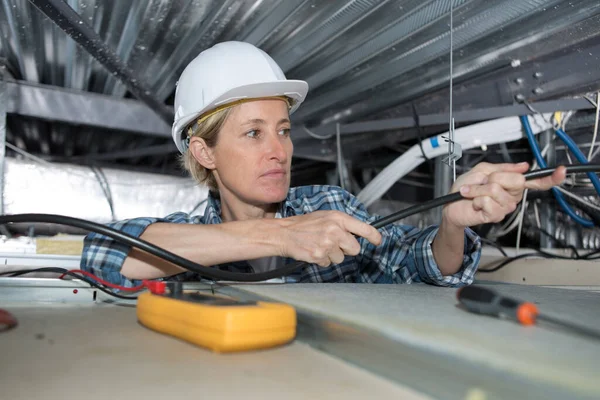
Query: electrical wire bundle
580	157
217	274
574	207
592	256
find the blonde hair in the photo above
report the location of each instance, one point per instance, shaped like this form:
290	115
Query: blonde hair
207	127
208	130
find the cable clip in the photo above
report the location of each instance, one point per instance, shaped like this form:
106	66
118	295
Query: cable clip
454	148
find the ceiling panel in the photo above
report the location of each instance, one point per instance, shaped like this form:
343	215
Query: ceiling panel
363	59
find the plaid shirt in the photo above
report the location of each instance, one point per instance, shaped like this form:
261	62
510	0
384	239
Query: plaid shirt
404	256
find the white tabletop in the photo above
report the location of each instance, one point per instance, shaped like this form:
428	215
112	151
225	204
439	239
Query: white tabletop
101	352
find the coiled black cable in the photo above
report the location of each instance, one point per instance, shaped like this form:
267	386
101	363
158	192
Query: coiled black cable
217	274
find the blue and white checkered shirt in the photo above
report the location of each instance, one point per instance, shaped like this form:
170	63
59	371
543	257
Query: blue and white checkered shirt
404	256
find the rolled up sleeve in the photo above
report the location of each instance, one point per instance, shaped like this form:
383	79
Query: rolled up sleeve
103	256
421	255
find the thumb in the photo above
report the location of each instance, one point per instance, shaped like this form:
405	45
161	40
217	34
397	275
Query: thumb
509	167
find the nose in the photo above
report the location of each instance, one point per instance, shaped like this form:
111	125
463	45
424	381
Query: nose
276	148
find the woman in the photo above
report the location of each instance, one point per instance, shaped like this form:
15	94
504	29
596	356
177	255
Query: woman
232	108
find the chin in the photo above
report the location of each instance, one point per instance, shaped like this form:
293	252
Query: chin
274	194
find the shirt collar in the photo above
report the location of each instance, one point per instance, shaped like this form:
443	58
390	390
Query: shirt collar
212	213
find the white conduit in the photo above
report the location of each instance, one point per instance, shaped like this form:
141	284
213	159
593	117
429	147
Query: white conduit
496	131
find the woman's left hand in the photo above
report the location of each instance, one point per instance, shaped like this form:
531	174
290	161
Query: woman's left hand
492	191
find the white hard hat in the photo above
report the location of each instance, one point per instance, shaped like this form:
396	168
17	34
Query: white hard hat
225	73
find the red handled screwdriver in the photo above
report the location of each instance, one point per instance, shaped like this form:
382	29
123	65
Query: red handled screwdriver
483	300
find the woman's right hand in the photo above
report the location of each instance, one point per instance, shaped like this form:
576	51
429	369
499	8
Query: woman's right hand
324	237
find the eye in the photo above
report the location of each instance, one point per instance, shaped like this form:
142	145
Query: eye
285	132
253	133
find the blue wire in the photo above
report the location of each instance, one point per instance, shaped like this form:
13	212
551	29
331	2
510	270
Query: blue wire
579	155
557	194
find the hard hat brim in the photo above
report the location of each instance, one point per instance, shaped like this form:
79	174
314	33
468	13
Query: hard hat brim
293	89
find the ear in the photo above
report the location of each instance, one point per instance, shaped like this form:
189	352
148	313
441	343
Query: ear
202	153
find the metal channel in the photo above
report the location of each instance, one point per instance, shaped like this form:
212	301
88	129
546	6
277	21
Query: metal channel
402	30
45	291
437	375
91	109
79	30
3	101
281	13
83	108
52	291
319	34
459	116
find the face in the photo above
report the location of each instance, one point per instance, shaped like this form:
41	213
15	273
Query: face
253	155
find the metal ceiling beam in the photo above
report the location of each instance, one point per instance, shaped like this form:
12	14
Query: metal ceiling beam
565	71
442	118
82	33
3	98
90	109
83	108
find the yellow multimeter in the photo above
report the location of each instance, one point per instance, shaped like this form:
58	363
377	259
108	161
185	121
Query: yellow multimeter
220	324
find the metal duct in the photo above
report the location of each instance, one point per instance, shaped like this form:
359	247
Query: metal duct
75	191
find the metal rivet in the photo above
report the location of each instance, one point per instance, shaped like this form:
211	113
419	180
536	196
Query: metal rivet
519	81
538	90
538	75
519	97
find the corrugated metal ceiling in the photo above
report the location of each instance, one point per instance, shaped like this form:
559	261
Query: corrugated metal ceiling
361	58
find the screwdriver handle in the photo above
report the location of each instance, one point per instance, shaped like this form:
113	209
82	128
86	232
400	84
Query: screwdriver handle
486	301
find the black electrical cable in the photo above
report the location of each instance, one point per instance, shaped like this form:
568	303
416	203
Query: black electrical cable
558	241
407	212
538	252
449	198
148	247
494	244
504	263
67	272
594	255
571	169
242	276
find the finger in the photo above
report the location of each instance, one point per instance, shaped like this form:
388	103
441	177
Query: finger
489	168
478	178
547	182
489	210
361	229
510	181
336	256
322	261
349	245
493	190
319	254
470	178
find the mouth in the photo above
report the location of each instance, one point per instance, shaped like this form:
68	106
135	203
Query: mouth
275	173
